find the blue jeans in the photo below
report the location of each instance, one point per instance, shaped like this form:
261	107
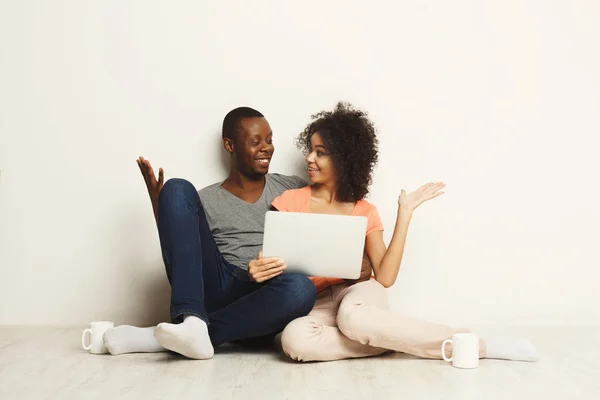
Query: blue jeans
204	284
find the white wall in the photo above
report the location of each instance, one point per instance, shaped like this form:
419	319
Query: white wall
499	99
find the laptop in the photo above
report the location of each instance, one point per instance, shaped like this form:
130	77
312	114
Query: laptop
324	245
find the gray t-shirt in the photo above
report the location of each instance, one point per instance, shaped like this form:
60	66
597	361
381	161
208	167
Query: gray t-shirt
237	225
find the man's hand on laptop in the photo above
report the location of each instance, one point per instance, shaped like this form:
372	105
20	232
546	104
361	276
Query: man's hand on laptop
152	184
262	269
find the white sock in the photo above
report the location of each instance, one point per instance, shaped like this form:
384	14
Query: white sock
189	338
130	339
510	348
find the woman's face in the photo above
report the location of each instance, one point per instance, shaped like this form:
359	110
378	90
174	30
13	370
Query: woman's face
318	161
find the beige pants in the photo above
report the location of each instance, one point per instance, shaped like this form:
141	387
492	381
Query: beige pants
355	321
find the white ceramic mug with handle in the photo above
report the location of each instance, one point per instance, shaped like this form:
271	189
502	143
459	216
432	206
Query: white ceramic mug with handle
465	350
96	331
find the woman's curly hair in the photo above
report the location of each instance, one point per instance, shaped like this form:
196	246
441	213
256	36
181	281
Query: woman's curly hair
350	137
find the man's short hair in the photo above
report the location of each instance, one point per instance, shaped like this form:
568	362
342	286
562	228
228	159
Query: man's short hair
233	119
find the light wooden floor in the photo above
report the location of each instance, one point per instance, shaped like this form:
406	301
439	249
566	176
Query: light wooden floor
47	363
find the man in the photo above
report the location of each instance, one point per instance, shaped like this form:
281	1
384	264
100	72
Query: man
221	292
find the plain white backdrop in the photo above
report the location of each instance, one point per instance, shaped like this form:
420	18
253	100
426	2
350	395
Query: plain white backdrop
499	99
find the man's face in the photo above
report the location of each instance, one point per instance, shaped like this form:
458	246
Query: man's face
254	147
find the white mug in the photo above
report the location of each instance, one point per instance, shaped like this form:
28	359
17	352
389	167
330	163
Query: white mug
96	330
465	350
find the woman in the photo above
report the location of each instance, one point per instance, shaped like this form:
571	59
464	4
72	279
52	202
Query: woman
348	320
